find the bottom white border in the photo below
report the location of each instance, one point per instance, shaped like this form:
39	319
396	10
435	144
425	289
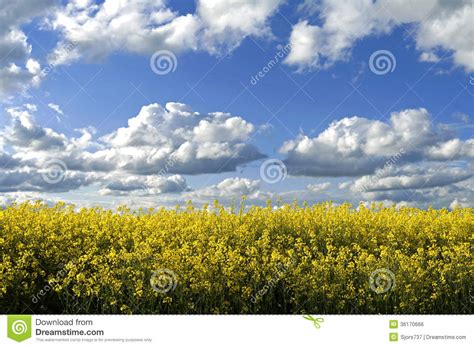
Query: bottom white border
247	330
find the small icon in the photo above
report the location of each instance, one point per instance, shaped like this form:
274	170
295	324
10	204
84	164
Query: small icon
393	337
393	324
316	321
19	327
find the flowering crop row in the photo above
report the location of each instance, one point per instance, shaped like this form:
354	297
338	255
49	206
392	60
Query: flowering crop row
294	259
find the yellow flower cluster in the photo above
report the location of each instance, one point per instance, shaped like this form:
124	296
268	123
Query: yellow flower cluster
290	259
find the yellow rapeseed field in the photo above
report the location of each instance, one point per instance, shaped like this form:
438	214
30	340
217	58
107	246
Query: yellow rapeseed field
293	259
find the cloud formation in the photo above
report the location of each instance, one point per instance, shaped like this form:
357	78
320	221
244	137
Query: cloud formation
146	26
18	70
411	177
403	160
142	185
150	154
438	25
190	142
90	31
153	155
233	189
358	146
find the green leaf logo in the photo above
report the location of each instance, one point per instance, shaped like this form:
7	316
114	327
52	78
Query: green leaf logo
19	327
316	321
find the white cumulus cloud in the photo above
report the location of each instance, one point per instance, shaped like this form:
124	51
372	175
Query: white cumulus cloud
445	25
357	146
146	26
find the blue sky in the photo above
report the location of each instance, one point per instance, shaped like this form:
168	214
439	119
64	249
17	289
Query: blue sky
322	78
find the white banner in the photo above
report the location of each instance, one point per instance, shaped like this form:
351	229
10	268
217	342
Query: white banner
237	330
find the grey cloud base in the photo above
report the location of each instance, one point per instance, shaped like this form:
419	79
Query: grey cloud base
406	160
158	146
